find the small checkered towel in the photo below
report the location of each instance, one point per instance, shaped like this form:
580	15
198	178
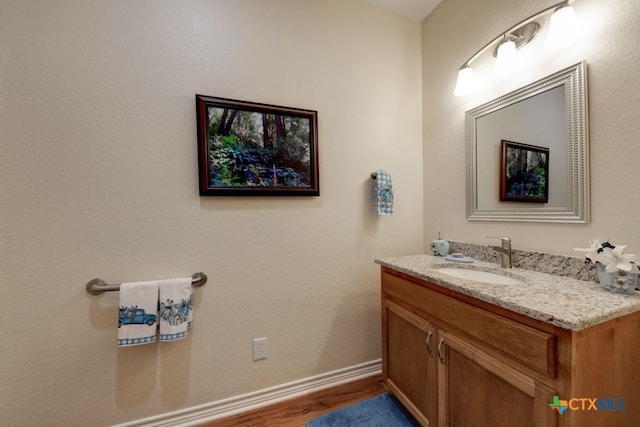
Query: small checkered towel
384	193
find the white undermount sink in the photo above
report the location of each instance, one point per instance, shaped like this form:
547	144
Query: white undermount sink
480	276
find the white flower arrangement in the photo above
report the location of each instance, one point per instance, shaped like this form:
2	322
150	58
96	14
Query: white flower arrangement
610	256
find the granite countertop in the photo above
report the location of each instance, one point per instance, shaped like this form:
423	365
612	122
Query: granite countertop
561	301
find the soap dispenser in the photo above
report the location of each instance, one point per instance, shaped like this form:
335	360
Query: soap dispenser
439	247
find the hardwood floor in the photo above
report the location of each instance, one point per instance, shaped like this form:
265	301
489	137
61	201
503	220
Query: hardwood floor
296	412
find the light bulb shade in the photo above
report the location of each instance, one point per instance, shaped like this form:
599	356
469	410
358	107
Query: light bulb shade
507	57
466	83
562	28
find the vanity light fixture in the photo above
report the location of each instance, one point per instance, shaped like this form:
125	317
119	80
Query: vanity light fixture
562	28
506	56
510	41
466	81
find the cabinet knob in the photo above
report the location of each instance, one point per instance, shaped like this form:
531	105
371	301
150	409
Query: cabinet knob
440	351
428	343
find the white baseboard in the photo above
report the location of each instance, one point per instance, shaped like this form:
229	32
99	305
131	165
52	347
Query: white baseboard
247	402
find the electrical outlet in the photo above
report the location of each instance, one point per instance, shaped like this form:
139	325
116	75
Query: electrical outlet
260	348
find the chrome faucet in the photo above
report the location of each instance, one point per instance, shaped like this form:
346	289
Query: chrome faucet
504	250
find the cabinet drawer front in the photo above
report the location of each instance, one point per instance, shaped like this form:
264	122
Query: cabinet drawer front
528	345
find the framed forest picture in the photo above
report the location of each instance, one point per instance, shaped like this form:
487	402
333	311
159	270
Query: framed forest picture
253	149
525	173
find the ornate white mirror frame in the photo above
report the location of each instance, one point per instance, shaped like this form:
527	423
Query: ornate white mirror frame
577	209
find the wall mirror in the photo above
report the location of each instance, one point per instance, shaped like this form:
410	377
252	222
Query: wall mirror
550	113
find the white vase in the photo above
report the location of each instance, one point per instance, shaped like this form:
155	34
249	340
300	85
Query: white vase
619	281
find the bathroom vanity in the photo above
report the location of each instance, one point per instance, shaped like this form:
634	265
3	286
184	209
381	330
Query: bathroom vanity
458	352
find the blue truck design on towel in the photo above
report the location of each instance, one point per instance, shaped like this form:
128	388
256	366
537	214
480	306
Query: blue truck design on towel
135	316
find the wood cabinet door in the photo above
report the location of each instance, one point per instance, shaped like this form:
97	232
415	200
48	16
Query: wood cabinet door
476	389
409	364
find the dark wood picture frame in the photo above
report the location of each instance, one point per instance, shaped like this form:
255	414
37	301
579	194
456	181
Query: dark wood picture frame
252	149
524	175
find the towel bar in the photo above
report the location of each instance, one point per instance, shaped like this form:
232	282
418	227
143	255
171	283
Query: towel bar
374	175
99	286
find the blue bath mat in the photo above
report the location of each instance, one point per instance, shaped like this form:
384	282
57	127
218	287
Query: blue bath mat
380	411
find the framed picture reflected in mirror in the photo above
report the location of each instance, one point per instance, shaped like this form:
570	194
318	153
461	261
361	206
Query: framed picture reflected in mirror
524	173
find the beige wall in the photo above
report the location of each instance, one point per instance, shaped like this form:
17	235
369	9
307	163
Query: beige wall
609	43
99	173
98	162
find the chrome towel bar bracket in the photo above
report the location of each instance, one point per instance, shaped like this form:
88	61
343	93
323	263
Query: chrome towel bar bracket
100	286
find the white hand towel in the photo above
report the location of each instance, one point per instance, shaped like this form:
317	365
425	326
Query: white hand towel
174	309
137	322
